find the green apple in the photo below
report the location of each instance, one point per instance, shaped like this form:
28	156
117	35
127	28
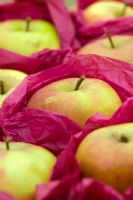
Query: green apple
123	48
78	103
9	80
105	10
27	37
22	167
106	154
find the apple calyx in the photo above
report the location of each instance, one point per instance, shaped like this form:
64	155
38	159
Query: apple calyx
79	82
126	4
28	21
124	139
2	91
8	139
109	38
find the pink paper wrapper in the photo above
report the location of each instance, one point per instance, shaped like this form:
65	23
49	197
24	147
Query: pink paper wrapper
88	33
38	62
67	184
84	190
4	196
82	4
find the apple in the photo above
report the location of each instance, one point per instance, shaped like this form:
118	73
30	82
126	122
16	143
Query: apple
77	98
9	80
28	36
123	48
106	154
22	167
105	10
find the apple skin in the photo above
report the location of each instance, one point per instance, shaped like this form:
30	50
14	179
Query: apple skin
122	51
105	10
94	96
106	154
11	79
23	167
41	35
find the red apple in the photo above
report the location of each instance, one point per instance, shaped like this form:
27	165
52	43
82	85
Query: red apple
91	97
22	167
106	154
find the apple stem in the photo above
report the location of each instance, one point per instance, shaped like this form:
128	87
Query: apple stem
124	8
79	82
28	21
109	38
8	140
2	87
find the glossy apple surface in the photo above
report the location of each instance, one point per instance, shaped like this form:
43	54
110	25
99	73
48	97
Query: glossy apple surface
122	51
11	79
93	96
23	167
41	35
105	10
106	154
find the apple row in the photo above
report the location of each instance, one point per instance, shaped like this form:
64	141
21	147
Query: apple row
58	133
93	38
66	115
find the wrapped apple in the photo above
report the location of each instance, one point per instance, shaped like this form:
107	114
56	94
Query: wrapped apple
113	144
41	26
31	36
119	129
117	47
110	42
24	166
76	98
47	104
95	11
40	18
106	10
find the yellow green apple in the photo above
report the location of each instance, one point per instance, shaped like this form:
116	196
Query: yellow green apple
22	167
78	103
28	36
9	80
105	10
123	48
106	154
